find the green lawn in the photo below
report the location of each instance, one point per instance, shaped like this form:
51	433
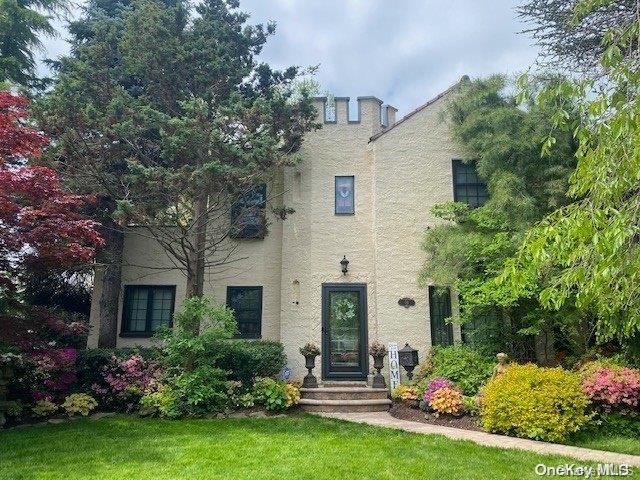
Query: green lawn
284	448
611	443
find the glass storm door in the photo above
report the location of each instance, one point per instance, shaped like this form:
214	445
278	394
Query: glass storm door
344	331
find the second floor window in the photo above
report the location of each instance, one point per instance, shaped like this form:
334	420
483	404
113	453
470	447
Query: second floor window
345	200
248	218
468	187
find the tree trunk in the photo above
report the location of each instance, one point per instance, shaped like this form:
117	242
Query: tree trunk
110	260
195	269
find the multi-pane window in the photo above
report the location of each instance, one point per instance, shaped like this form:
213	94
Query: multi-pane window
345	201
248	218
147	308
468	187
246	302
440	309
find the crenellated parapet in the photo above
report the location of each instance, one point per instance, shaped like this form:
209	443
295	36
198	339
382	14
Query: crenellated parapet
370	112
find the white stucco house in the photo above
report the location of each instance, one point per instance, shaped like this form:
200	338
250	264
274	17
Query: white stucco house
362	193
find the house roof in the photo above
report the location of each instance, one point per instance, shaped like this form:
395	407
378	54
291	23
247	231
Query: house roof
464	78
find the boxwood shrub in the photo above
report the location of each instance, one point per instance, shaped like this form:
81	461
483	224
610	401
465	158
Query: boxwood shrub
248	359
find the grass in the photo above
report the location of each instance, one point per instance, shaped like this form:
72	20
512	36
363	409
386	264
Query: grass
610	443
255	448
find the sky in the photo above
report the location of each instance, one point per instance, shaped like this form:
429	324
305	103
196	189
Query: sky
401	51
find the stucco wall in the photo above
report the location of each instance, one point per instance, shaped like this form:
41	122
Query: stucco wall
315	239
412	173
253	263
399	176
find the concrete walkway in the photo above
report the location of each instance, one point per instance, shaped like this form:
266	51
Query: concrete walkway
384	419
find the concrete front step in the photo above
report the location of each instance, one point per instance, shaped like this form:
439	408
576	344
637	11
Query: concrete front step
344	393
343	384
345	406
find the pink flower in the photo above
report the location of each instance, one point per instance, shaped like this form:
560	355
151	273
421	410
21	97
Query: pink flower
435	385
615	387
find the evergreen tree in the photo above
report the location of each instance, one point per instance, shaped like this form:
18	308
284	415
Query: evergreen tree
469	250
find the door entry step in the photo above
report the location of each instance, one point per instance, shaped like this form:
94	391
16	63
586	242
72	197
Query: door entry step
344	399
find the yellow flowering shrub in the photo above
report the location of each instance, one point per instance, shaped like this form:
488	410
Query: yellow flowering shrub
405	394
79	403
44	408
292	394
534	402
447	400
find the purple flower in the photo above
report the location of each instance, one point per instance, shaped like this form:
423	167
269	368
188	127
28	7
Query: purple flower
435	385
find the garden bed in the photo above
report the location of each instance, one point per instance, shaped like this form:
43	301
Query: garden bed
466	422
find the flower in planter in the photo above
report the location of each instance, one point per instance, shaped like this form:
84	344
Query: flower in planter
377	349
310	349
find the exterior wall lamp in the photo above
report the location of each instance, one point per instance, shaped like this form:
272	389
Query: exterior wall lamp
345	264
408	359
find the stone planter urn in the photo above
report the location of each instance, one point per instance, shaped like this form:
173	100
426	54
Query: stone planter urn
378	351
310	352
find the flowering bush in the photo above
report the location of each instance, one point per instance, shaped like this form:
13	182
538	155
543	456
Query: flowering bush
613	387
44	408
433	386
447	400
534	402
53	373
276	395
124	381
79	403
405	394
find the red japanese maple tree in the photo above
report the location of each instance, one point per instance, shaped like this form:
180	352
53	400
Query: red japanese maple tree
40	222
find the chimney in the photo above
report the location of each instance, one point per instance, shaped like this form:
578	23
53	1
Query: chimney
389	115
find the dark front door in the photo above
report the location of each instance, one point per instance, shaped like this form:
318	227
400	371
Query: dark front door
344	331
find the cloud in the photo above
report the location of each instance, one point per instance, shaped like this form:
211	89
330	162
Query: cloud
402	51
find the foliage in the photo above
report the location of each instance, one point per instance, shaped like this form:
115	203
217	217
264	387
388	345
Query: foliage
22	25
534	402
79	403
276	395
44	408
247	359
50	374
447	400
613	387
469	250
122	382
613	423
471	405
587	252
40	223
292	391
433	386
460	364
310	349
162	402
200	391
377	349
405	394
198	312
570	37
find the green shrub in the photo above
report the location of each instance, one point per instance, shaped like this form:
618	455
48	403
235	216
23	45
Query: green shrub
275	395
201	391
164	402
79	403
534	402
614	423
471	405
247	360
464	366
